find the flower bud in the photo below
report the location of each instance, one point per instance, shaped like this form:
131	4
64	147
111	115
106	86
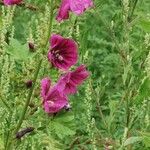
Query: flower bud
31	47
29	84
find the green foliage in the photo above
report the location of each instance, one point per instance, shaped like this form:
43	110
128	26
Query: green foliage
146	141
144	94
115	50
145	24
62	125
18	51
132	140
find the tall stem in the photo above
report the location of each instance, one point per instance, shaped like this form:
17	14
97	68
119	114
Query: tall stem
50	21
126	81
133	8
35	77
34	80
28	98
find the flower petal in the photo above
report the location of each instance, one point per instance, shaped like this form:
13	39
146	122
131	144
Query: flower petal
68	83
55	102
66	49
55	40
79	75
79	6
63	12
11	2
45	87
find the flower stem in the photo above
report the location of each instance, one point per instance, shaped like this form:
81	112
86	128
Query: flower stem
133	9
34	81
25	107
50	20
28	98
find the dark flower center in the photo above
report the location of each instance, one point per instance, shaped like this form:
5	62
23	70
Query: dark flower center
57	55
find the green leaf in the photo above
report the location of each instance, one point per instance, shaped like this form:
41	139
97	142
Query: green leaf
132	140
112	106
1	144
145	24
62	130
18	50
127	69
144	91
146	141
65	117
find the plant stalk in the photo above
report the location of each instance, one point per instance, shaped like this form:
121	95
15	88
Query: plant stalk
8	147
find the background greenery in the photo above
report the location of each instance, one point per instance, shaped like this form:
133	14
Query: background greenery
111	109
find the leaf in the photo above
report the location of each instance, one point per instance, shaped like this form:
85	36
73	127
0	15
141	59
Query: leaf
144	91
145	24
62	130
146	139
1	144
18	51
132	140
127	69
112	106
49	142
65	117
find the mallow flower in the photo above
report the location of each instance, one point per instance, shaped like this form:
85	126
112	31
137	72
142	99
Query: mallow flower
75	6
63	52
68	82
11	2
52	99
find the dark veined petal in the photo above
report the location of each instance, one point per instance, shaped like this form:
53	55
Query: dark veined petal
76	6
68	83
55	102
79	6
55	41
63	12
65	86
45	87
79	75
11	2
63	52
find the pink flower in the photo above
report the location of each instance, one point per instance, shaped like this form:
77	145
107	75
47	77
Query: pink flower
63	52
45	87
11	2
76	6
53	100
68	83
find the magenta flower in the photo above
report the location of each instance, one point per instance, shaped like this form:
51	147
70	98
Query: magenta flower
53	100
45	87
63	52
68	83
76	6
11	2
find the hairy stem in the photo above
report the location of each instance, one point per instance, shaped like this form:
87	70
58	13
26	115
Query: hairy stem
28	98
133	9
7	106
34	81
50	21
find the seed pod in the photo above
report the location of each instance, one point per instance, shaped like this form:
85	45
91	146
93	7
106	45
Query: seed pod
29	84
31	47
23	132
